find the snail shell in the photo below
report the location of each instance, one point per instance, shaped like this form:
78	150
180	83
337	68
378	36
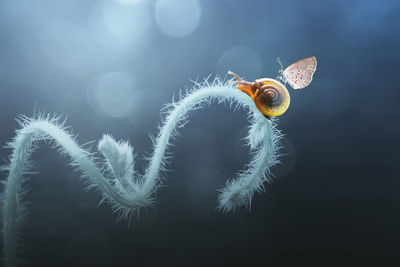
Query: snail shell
271	97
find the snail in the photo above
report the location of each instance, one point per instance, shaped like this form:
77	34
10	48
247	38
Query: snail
269	95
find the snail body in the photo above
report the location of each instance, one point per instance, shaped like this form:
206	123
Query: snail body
269	95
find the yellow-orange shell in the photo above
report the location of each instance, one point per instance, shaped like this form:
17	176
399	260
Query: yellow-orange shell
267	106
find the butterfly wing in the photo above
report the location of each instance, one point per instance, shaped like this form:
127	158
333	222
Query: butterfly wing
300	73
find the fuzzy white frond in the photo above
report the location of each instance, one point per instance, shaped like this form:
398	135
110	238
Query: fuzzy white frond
114	176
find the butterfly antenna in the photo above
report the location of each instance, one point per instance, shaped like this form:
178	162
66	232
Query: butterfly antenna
278	59
280	75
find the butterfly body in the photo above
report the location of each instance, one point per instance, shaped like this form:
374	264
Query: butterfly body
271	96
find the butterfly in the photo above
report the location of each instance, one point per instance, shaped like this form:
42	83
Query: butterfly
300	73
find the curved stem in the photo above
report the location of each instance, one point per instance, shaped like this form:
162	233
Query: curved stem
33	131
178	115
262	136
116	178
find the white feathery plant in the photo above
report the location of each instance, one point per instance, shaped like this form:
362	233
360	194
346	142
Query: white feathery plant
114	175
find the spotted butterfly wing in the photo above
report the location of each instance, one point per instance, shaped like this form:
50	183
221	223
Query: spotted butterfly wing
300	73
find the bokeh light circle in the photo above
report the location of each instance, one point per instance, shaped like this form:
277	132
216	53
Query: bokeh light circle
242	60
110	94
177	18
112	23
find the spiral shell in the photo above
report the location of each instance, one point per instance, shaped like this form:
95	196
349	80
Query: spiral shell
271	97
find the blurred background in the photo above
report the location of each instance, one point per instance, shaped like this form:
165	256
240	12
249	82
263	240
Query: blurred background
111	65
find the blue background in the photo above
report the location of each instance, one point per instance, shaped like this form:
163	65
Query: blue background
336	196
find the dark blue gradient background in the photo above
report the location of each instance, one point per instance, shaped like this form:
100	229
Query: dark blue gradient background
336	197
